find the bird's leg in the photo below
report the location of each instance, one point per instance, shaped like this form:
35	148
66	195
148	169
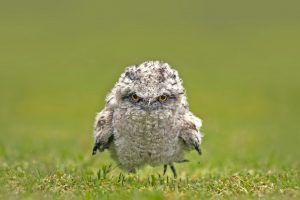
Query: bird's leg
173	170
165	169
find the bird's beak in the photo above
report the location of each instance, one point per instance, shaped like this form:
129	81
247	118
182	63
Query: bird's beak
148	104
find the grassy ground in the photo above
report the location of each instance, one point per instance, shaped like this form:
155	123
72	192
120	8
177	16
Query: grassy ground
240	64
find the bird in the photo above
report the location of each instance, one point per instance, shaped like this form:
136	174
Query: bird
146	119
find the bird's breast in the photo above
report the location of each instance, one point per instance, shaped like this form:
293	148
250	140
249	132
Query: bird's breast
145	137
145	124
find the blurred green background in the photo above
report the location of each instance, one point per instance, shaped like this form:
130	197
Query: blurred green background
239	61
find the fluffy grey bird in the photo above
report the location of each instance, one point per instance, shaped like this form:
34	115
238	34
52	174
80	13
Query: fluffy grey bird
146	119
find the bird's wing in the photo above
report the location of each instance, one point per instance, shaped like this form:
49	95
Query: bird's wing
190	131
103	131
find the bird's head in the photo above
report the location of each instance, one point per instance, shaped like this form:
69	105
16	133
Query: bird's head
150	86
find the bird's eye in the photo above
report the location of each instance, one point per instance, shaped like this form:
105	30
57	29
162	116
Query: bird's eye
135	98
163	98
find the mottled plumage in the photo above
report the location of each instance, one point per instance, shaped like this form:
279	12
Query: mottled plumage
146	119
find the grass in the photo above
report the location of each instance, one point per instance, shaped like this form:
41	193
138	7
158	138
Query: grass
240	66
84	183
